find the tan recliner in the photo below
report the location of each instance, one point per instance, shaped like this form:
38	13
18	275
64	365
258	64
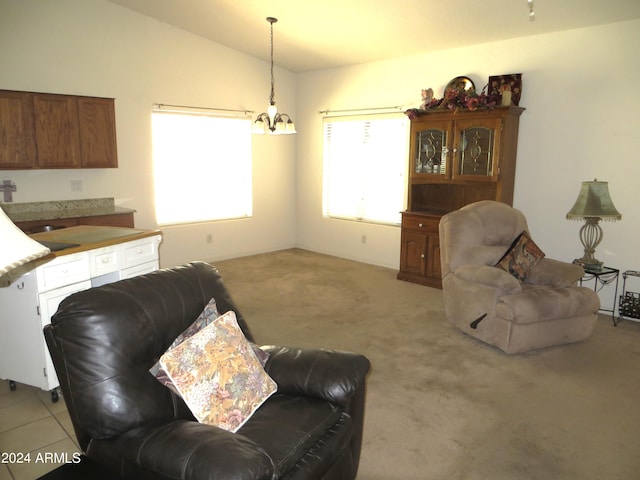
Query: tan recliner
490	304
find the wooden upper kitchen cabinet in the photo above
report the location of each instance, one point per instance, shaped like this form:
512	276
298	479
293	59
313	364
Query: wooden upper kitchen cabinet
17	131
57	131
41	130
97	121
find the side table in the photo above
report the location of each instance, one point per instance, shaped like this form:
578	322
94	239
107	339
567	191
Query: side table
602	276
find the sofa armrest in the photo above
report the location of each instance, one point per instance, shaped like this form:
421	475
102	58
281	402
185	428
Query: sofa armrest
327	374
490	276
555	273
182	449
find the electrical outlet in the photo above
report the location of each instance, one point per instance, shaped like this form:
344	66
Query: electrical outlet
363	239
76	185
209	238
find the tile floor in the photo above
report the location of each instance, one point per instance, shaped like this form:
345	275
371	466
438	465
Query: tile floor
30	423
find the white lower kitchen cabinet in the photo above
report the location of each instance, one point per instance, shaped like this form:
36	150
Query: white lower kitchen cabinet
28	303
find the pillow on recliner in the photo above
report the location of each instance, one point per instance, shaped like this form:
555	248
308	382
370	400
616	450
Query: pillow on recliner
208	315
521	257
218	374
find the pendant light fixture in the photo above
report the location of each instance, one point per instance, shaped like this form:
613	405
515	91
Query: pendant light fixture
271	121
532	14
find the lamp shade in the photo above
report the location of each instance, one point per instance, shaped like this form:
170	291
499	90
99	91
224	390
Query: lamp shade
594	201
16	248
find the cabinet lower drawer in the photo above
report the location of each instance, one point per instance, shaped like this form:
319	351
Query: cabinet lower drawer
103	260
140	251
139	270
63	270
420	222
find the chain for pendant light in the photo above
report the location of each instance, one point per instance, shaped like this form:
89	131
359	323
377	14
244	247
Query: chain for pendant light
272	20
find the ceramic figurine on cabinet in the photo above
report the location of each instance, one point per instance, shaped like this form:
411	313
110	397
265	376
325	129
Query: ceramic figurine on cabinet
427	96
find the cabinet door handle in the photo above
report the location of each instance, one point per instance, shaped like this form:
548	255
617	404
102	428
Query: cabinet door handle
420	225
422	256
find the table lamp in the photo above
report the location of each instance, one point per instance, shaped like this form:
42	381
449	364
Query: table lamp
593	204
16	248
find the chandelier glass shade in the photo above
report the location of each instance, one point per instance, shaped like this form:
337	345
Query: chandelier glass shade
271	121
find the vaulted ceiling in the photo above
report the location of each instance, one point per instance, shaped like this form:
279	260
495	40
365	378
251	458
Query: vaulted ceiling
320	34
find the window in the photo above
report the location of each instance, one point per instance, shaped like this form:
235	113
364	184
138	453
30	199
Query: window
201	167
365	162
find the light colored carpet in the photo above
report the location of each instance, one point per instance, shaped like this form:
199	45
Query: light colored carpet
440	404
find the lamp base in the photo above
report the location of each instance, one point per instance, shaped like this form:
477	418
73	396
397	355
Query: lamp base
590	237
589	263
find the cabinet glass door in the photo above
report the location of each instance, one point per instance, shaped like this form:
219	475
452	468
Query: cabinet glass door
431	151
476	150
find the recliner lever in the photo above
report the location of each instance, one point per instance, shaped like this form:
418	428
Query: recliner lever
475	323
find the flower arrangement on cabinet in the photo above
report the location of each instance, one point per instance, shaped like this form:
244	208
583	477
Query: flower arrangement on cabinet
456	98
460	94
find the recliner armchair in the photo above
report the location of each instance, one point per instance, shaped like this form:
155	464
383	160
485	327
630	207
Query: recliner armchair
104	340
490	304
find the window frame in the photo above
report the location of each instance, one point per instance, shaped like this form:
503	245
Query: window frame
205	183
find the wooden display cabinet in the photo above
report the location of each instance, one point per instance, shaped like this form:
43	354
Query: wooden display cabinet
456	158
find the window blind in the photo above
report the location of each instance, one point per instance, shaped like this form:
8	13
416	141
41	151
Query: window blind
365	162
201	166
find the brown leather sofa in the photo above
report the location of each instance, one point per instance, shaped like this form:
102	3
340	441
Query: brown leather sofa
104	340
490	304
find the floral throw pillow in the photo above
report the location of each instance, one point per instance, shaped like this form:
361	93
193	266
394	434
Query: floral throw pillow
218	374
521	257
208	315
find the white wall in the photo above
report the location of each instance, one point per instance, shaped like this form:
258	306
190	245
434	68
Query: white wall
93	47
582	122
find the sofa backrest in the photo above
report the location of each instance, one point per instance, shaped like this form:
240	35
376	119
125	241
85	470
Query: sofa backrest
104	340
478	234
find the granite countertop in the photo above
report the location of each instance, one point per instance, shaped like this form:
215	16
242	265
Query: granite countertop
34	211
